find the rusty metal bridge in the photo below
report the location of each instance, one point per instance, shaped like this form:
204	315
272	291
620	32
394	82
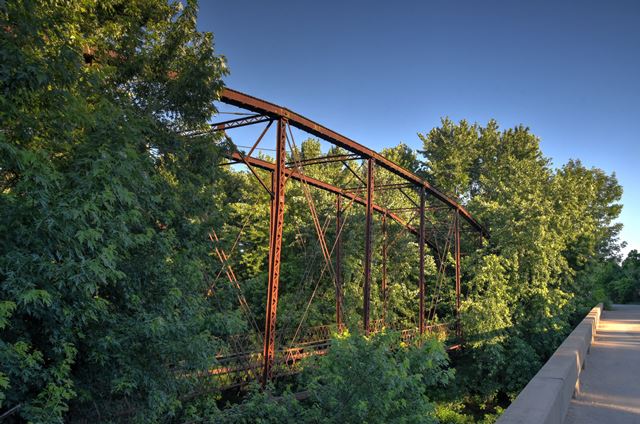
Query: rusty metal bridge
266	354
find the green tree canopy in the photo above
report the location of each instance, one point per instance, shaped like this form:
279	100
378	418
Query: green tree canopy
546	226
104	207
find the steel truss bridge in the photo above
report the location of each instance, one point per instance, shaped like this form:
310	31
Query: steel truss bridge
441	221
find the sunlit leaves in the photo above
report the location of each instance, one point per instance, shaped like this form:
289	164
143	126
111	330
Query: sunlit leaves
373	380
546	226
104	206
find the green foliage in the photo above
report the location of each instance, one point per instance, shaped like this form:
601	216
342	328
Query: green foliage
104	206
547	227
611	281
451	413
263	408
361	379
625	287
110	309
369	380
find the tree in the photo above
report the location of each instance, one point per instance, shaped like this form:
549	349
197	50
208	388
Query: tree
621	281
546	225
110	309
375	380
104	208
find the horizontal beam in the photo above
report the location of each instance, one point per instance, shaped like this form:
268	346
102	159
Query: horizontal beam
381	187
240	122
322	160
268	166
254	104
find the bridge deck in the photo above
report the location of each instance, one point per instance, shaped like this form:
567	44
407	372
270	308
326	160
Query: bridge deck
610	382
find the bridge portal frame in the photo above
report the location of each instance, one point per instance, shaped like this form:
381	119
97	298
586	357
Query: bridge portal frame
266	112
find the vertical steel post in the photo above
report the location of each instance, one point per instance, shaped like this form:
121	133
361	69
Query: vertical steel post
278	181
458	276
339	261
366	294
384	269
421	288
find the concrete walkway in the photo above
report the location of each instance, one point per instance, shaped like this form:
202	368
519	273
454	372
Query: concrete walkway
610	382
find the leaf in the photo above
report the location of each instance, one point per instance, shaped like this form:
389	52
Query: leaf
35	297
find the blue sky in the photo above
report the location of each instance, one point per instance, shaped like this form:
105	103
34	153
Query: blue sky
379	72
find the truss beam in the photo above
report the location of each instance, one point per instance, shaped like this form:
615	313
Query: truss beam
240	122
263	107
368	241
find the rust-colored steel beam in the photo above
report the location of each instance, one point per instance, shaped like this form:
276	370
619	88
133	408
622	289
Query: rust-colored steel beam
382	187
255	174
240	122
279	180
338	250
324	159
421	286
255	145
294	175
410	209
409	197
263	107
354	173
458	274
368	241
383	285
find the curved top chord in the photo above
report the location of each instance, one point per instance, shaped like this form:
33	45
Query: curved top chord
262	107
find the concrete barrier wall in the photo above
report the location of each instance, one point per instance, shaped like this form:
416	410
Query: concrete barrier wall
545	400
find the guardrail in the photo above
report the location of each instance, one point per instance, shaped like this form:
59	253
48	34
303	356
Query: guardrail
546	399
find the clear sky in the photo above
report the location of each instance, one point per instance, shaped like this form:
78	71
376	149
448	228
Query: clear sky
379	72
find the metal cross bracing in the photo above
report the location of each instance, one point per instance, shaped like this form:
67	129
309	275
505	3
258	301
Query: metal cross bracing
439	227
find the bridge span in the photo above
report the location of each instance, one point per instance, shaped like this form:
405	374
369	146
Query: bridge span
593	377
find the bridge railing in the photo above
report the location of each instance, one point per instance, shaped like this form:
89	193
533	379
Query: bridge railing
241	360
546	399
